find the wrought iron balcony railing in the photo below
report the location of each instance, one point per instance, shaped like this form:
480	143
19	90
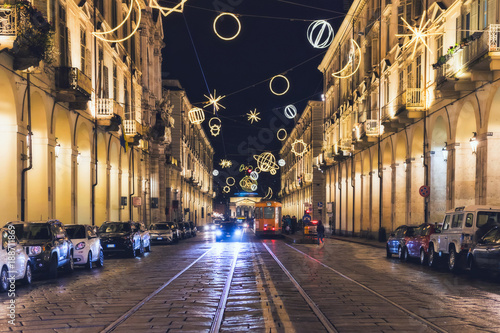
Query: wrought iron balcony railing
8	22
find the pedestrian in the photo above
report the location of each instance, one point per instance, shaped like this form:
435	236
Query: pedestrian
294	224
288	224
321	233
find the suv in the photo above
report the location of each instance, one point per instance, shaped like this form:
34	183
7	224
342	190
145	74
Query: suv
145	237
47	245
462	228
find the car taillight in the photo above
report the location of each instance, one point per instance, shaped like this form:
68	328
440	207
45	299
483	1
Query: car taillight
274	229
265	228
80	245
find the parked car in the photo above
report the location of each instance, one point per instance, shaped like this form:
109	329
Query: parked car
145	237
120	237
462	228
12	253
417	246
161	233
47	244
228	231
175	231
397	241
182	230
193	229
87	244
486	253
187	228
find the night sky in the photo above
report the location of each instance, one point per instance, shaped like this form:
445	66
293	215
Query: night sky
272	41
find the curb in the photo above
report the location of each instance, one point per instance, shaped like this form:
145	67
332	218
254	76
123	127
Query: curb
358	241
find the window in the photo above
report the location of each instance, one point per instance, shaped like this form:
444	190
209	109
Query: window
446	223
269	212
418	72
457	221
487	217
115	83
83	48
114	14
469	220
439	47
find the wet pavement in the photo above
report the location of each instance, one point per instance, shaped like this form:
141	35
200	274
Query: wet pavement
270	285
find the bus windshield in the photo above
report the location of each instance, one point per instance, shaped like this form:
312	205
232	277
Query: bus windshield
269	212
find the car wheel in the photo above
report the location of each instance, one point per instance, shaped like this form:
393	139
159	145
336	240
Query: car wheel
148	249
141	249
406	254
432	257
388	253
133	252
423	257
70	266
53	267
100	261
452	260
4	282
400	253
27	275
89	261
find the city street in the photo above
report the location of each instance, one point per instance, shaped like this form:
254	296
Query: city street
258	286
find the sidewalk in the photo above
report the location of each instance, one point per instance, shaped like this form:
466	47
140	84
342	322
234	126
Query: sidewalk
298	238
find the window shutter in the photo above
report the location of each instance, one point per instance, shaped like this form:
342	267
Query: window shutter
105	82
473	18
459	29
491	11
68	48
88	63
400	16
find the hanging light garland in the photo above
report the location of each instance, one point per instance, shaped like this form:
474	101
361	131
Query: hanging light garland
290	111
214	126
214	100
230	181
99	35
283	136
419	34
354	47
225	163
269	194
196	115
215	172
320	39
281	162
297	151
165	11
266	162
237	21
254	175
287	85
253	116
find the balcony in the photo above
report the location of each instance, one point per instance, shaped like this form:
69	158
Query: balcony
8	27
346	144
373	128
106	110
132	127
73	87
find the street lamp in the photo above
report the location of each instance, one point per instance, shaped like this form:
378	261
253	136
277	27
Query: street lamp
445	152
473	143
57	149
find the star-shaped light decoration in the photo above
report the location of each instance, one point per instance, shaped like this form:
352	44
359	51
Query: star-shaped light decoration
214	100
299	151
225	163
253	116
419	34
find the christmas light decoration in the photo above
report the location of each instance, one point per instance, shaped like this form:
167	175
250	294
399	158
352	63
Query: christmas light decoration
253	187
283	136
215	172
165	11
418	34
296	150
99	34
271	85
281	162
253	116
213	100
254	175
257	169
266	162
242	167
247	184
196	115
226	189
214	126
290	111
225	163
237	21
354	47
230	181
269	194
321	39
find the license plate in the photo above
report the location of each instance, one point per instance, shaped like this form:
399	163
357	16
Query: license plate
160	238
228	235
111	245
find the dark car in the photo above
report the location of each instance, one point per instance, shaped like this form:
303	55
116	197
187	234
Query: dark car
182	230
120	237
486	252
397	241
145	236
187	229
161	233
47	245
417	245
228	231
193	228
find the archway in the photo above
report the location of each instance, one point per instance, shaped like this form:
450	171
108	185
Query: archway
84	177
63	166
465	160
400	200
114	181
387	187
493	153
375	191
37	184
366	195
347	192
417	212
438	172
101	189
357	196
10	150
137	185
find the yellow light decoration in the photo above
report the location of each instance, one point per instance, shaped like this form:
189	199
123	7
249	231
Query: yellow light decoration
257	169
213	100
349	63
226	189
253	116
290	111
299	152
225	163
230	181
98	34
214	127
165	11
266	162
196	115
283	137
242	167
269	194
418	34
317	42
271	84
247	184
237	21
253	187
254	175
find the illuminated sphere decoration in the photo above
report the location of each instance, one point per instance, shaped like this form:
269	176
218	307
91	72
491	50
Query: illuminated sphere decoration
215	172
271	85
226	189
196	115
290	111
266	162
254	175
253	187
230	181
281	162
237	21
317	36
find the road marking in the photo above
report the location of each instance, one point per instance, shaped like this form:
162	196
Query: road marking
321	316
219	313
139	305
408	312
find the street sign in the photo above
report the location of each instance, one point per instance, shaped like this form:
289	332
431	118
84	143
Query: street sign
320	204
424	191
306	218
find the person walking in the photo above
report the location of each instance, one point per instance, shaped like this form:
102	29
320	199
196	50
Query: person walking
321	233
294	224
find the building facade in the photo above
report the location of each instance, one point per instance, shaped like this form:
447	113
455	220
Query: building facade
302	182
76	110
412	115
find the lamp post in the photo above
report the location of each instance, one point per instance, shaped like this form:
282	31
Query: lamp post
445	152
473	142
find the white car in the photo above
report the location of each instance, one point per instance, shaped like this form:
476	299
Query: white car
87	245
14	262
160	233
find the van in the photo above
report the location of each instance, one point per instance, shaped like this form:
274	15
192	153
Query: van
462	228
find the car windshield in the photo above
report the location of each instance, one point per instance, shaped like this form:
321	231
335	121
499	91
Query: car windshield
487	218
228	225
114	227
76	232
160	227
171	225
32	231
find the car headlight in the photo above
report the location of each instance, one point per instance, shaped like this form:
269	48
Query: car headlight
218	233
237	232
80	245
35	250
245	225
212	227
